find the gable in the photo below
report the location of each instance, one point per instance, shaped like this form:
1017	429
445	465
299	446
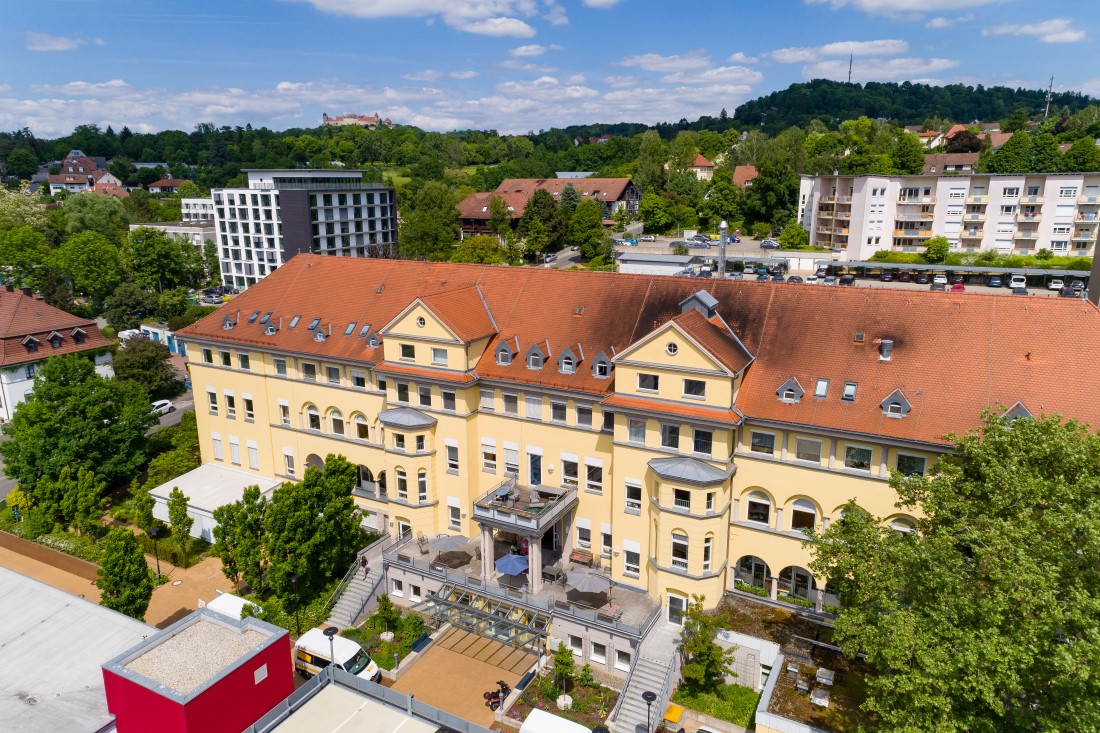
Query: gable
418	322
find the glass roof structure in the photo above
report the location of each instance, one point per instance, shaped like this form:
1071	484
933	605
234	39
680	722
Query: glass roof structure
484	615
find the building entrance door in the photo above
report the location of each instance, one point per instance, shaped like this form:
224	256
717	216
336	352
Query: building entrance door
677	606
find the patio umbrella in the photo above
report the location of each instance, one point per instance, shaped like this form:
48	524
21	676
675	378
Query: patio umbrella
511	564
449	542
585	581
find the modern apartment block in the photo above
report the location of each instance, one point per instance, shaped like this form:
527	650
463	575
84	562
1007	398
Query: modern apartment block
1008	214
679	440
286	212
196	209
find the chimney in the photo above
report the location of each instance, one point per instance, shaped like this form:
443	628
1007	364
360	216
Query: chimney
28	292
9	287
885	349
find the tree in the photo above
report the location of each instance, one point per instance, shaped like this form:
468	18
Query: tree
22	163
239	538
542	207
145	362
535	240
159	262
180	521
680	250
656	212
564	666
481	248
188	190
93	263
586	230
569	199
22	251
649	172
143	506
20	207
907	157
794	236
128	305
211	262
173	303
983	618
965	141
76	418
430	230
90	212
500	218
1012	157
125	583
706	664
772	195
1045	157
1017	121
936	249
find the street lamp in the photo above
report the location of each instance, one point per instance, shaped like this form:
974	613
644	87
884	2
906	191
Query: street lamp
723	239
331	632
297	625
153	532
649	697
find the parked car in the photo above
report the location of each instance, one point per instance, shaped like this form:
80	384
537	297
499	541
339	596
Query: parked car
812	280
822	271
647	238
794	279
886	277
1077	285
938	287
1067	293
1017	281
922	279
701	238
762	278
736	276
847	280
829	280
995	282
769	244
212	299
904	277
1019	291
1056	284
777	277
163	407
940	279
958	288
957	279
550	257
735	240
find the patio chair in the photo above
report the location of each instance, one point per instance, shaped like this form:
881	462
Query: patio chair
423	543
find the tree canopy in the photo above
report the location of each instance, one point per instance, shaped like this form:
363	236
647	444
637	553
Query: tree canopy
125	581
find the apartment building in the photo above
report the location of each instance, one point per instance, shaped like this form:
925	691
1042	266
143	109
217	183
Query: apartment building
1009	214
286	212
192	209
681	440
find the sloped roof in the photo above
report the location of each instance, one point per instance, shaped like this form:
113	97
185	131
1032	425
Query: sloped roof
998	349
701	162
687	470
68	178
463	311
476	205
997	139
109	189
955	130
605	189
714	336
167	183
406	417
693	411
742	174
940	161
22	316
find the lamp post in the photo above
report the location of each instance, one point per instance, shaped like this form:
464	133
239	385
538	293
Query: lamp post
297	625
649	697
723	239
154	532
331	632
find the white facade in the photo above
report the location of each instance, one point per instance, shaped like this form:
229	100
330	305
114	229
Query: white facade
196	231
17	382
196	209
1009	214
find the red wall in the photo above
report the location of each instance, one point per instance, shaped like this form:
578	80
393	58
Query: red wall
231	705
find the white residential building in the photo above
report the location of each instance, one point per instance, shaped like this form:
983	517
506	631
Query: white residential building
197	208
195	231
1010	214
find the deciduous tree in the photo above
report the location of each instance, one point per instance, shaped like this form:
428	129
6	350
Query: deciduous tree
907	157
429	231
794	236
145	362
125	582
93	262
179	519
128	305
90	212
22	163
19	207
706	663
481	248
586	229
159	262
240	537
935	250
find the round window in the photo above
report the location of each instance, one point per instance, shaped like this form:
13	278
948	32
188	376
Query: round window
420	321
671	349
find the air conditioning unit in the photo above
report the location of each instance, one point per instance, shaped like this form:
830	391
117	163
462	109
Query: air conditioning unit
270	330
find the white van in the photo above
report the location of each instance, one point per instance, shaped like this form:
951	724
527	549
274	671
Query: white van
311	655
1017	281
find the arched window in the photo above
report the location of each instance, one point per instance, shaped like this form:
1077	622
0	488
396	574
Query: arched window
760	508
534	360
567	365
803	515
422	486
336	422
362	429
402	484
903	525
313	418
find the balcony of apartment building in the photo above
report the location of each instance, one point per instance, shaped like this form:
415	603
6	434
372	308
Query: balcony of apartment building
622	610
972	234
1029	215
974	216
1087	216
1026	234
1088	200
828	199
917	216
825	214
844	199
915	199
913	233
843	215
1084	235
1032	199
528	510
824	230
978	200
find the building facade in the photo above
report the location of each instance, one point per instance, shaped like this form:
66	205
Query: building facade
683	439
194	231
286	212
1008	214
196	208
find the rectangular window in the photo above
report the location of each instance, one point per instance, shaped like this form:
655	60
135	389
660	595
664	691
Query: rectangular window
1066	192
622	660
280	367
1011	193
605	544
288	462
763	443
584	416
243	361
633	498
511	404
230	407
593	477
227	359
1008	210
234	452
358	379
849	392
398	588
452	458
703	443
284	414
420	443
422	486
857	458
332	374
254	457
448	400
636	430
399	442
207	356
599	653
425	393
249	412
488	458
681	498
402	391
569	476
511	461
557	412
414	592
632	563
576	644
408	352
439	357
648	382
213	397
680	551
608	422
708	545
218	448
821	388
710	501
455	517
309	372
485	403
381	384
402	485
584	538
695	389
534	407
670	436
910	465
806	449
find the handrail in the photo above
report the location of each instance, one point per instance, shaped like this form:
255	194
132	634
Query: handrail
332	599
622	695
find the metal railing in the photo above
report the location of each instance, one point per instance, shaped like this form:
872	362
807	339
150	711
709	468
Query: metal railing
355	567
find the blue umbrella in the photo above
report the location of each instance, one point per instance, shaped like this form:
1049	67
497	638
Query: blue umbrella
511	564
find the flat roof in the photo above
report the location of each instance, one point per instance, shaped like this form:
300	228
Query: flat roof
211	485
336	709
659	258
53	646
963	268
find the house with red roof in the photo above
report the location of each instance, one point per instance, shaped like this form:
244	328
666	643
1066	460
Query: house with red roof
702	168
166	185
743	175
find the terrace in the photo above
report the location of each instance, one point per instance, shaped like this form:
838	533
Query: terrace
529	510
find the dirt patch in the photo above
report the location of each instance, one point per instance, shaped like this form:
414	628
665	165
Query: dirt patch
777	625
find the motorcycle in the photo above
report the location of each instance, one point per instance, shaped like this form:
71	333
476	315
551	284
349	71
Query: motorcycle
495	698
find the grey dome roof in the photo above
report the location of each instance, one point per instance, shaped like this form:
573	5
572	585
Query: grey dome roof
690	471
406	417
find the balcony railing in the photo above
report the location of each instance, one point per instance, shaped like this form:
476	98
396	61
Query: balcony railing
916	199
1083	236
1027	216
912	233
1089	200
973	234
1088	217
977	199
1031	199
974	217
532	509
922	216
1029	234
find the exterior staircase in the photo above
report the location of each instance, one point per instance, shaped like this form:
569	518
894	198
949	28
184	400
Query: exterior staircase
658	662
356	595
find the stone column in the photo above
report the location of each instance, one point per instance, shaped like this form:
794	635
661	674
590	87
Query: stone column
486	552
566	537
534	564
773	591
819	600
779	518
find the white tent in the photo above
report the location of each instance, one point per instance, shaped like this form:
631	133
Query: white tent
540	721
208	487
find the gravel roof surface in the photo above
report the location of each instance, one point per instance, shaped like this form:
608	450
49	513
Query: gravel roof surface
195	654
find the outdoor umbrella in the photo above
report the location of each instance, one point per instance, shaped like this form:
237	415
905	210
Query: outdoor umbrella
584	581
511	564
449	543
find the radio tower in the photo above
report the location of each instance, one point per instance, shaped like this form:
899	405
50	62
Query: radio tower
852	56
1050	94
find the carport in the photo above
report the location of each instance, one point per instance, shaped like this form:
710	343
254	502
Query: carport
870	268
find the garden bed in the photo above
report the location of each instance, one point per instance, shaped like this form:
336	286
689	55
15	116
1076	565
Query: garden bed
406	626
591	703
732	703
845	695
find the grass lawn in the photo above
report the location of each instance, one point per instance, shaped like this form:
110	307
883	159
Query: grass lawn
732	703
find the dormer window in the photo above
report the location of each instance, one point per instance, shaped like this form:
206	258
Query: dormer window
896	405
504	355
31	344
78	335
534	360
567	366
790	391
601	367
373	341
55	340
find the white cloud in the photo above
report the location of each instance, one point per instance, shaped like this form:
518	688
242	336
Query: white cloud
903	7
616	82
531	49
796	55
425	75
657	62
878	69
576	79
483	17
46	42
83	88
555	13
517	65
741	58
942	22
469	74
1055	30
512	27
719	75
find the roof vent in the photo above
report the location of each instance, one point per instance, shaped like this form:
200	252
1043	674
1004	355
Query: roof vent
271	329
885	349
228	323
28	292
319	335
9	287
858	338
579	310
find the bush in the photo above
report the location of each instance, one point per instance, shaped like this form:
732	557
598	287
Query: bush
732	703
761	230
755	590
190	554
72	544
795	600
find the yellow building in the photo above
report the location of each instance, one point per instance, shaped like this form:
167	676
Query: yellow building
679	434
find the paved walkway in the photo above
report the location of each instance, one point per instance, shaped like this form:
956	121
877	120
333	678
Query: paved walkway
180	595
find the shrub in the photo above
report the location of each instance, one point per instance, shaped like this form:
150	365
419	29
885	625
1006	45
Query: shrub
755	590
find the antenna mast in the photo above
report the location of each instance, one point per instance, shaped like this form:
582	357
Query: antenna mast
1050	94
852	56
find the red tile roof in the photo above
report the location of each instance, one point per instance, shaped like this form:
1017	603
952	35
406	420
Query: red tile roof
22	316
955	130
701	162
167	183
476	205
715	336
109	189
68	178
77	163
742	174
958	356
463	311
940	161
605	189
695	412
997	139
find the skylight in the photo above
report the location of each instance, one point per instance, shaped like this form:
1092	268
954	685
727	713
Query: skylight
349	329
294	321
314	322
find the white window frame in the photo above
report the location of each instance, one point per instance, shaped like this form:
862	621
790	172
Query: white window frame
533	407
820	446
857	446
595	487
622	660
678	541
762	433
633	426
692	396
455	517
489	457
633	506
598	657
439	356
923	460
656	382
397	587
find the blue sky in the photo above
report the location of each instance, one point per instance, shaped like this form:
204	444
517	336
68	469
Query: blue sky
509	65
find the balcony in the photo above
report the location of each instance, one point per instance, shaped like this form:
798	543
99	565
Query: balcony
530	510
1029	216
1084	236
828	199
1026	234
844	199
840	231
977	200
843	215
913	233
1088	200
824	230
1031	199
973	234
916	199
825	214
921	216
1087	217
973	217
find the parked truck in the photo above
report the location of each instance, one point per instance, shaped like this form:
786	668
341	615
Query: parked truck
314	651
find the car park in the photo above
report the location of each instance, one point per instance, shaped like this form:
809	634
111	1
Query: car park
212	299
777	277
1019	291
886	277
736	276
822	271
162	407
957	279
958	288
921	279
769	244
995	282
1056	284
938	287
1067	293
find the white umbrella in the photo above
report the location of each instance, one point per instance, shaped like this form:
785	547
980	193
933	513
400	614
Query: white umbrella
585	581
449	543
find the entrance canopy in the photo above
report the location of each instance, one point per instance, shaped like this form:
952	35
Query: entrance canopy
488	616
